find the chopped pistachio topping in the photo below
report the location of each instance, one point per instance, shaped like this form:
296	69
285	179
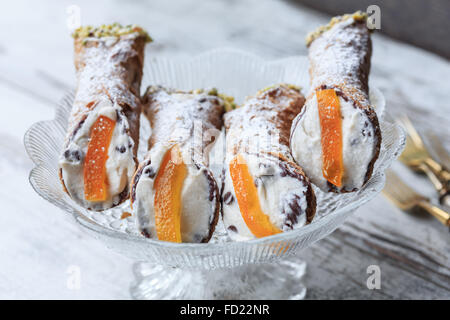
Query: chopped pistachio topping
210	92
285	85
357	16
109	30
228	101
213	92
153	89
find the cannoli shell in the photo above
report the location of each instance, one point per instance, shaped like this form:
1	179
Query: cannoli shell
267	118
108	68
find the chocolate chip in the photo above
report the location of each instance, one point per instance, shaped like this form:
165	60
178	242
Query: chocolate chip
121	149
150	172
232	228
292	210
228	198
198	238
202	100
287	170
119	116
72	155
76	154
146	233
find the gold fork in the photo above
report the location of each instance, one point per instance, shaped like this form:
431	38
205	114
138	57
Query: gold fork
438	149
406	198
416	156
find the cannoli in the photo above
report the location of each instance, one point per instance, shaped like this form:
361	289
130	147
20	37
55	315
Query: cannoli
99	154
264	192
174	194
336	138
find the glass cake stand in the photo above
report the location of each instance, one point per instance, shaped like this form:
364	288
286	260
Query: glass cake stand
267	268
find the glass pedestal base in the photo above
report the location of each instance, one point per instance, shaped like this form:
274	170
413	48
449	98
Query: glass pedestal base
280	280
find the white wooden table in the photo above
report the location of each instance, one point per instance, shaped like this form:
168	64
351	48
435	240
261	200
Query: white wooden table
39	244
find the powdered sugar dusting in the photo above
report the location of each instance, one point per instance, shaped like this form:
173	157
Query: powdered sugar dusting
194	119
259	131
101	74
262	124
340	58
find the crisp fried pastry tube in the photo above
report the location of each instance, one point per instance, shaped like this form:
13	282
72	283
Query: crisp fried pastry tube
336	138
99	154
264	191
175	196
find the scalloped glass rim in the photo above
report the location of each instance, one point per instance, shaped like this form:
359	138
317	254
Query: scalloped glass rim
291	70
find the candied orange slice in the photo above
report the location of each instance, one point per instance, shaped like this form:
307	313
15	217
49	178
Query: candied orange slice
167	202
247	197
94	171
331	136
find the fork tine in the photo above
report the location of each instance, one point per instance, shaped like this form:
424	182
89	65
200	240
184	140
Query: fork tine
401	191
390	188
412	132
410	146
437	147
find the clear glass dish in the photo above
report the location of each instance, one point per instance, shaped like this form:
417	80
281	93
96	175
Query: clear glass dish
259	269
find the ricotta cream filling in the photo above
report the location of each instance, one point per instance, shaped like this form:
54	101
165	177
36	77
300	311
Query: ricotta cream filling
197	212
358	144
275	192
120	164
